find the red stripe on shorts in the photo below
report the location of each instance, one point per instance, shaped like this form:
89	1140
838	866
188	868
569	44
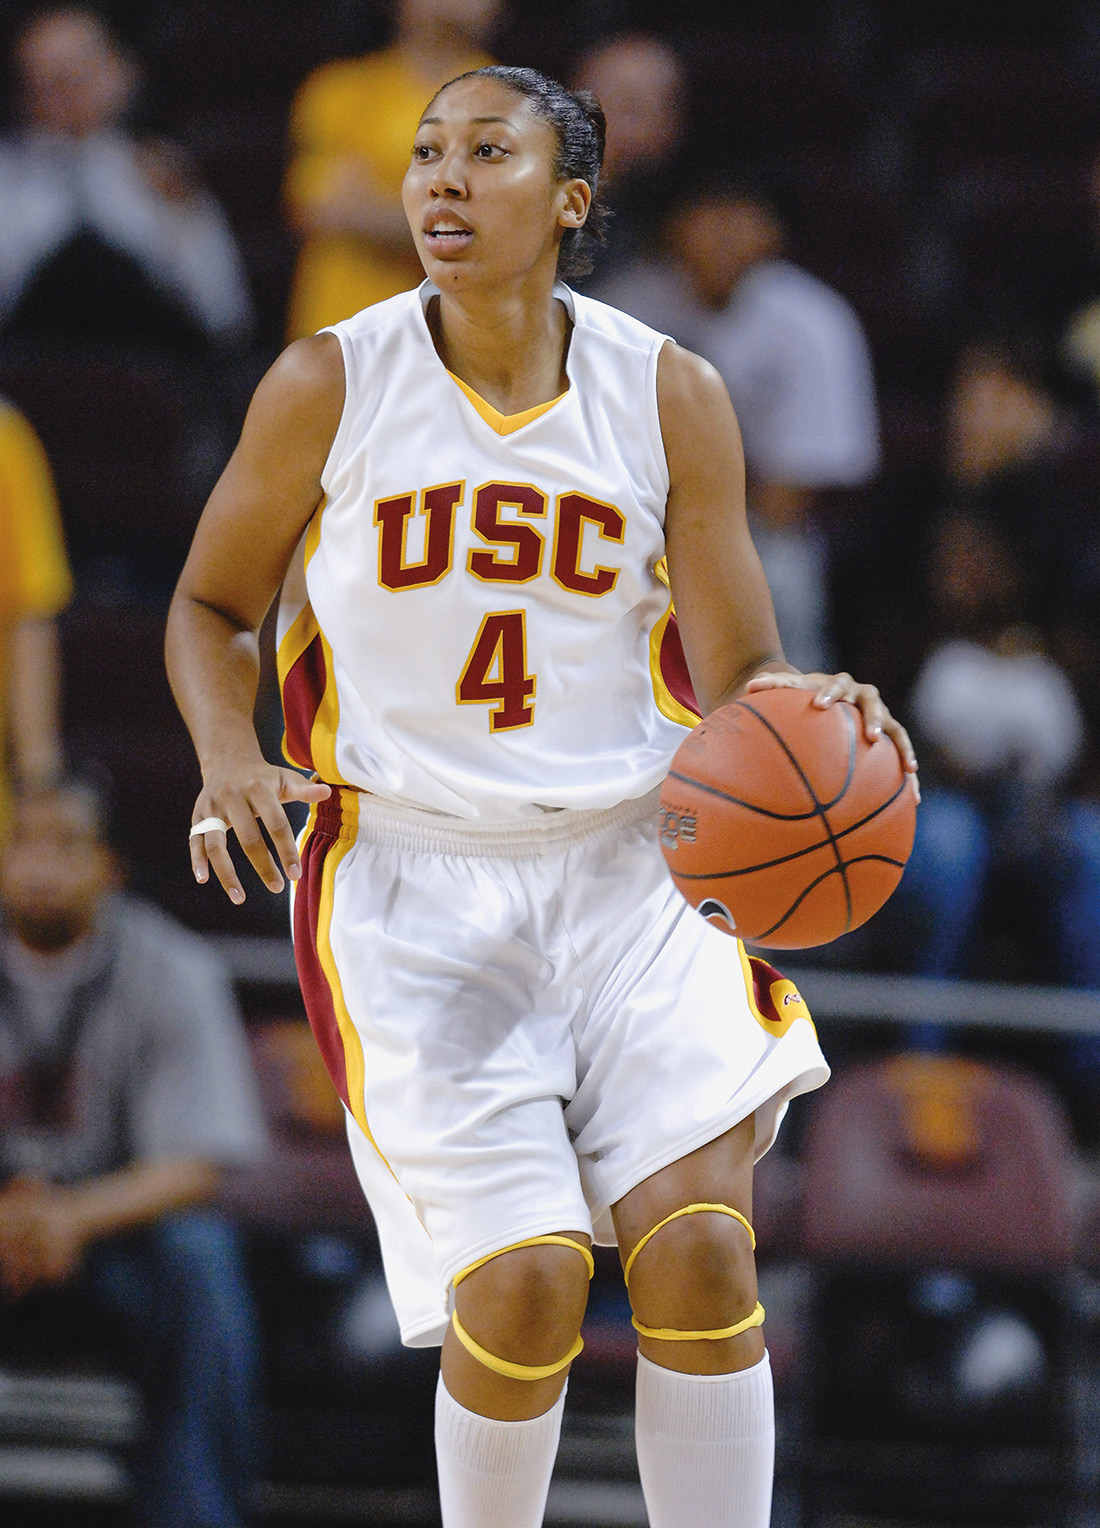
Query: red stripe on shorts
303	691
764	977
316	991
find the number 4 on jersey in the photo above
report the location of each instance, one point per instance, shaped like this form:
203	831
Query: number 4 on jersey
496	672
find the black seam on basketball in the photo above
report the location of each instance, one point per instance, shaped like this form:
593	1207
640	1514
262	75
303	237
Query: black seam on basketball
822	806
721	875
761	811
883	859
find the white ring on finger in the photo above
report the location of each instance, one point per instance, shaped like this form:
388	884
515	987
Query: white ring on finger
208	825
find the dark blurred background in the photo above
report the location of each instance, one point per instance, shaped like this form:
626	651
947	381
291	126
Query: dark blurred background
890	209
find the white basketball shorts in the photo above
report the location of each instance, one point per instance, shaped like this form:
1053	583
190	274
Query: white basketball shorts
525	1021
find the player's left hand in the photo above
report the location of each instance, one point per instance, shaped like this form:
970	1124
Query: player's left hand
877	720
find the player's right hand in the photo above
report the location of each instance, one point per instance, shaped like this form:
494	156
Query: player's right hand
245	796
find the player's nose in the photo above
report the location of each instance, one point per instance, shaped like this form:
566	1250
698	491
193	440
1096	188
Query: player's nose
446	178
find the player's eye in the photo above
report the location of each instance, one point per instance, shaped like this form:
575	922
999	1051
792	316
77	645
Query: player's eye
422	151
489	151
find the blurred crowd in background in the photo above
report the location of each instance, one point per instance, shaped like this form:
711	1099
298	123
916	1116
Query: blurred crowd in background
880	223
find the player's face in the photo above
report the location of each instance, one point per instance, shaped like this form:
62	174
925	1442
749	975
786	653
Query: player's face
481	195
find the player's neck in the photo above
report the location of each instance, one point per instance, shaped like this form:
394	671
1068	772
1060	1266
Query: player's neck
511	352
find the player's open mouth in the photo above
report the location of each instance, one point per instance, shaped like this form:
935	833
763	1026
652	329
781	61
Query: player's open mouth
446	237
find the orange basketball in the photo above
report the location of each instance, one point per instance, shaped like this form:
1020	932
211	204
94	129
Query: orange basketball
781	823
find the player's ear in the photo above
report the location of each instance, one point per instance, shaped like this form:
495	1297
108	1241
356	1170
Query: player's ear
576	199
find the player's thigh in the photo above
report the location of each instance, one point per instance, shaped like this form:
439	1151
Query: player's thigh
719	1172
455	1041
684	1037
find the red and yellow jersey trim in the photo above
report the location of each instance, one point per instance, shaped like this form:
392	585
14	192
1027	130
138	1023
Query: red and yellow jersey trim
503	424
307	682
668	667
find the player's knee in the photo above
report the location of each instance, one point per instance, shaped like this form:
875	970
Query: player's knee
526	1306
699	1271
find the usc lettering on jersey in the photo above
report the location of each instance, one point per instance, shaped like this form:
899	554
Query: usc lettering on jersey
477	620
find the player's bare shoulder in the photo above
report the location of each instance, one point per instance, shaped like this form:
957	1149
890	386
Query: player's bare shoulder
698	425
298	404
271	485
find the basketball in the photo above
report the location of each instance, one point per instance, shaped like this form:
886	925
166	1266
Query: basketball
782	824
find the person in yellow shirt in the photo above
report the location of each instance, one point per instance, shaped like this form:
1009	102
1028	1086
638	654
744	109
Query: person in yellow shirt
351	129
35	584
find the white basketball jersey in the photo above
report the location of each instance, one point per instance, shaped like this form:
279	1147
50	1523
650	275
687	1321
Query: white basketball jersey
476	621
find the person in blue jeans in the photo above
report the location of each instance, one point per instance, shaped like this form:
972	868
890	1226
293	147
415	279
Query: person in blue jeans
125	1089
1000	731
958	843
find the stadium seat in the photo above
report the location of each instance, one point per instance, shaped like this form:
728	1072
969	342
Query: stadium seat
874	1192
938	1214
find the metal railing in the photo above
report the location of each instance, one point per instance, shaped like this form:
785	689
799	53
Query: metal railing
268	960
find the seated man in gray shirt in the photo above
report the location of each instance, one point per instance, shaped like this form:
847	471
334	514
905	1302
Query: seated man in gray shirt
793	354
125	1087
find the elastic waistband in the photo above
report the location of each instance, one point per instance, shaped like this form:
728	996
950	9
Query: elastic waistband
357	814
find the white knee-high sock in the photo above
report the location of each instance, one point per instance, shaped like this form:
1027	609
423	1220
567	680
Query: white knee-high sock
706	1446
493	1474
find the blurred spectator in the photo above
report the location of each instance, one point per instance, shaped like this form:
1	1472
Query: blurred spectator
639	81
34	586
1008	446
998	730
351	132
796	362
1009	442
125	1086
104	235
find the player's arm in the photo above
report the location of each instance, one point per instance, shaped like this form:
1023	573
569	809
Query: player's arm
723	604
245	540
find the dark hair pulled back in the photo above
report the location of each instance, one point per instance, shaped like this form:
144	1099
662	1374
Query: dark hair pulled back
578	122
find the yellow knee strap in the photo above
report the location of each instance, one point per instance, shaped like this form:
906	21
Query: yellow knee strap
531	1241
670	1334
503	1365
688	1209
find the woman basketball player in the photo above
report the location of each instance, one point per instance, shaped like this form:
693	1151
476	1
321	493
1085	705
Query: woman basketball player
466	495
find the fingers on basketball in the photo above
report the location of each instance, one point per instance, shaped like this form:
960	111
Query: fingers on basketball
783	822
